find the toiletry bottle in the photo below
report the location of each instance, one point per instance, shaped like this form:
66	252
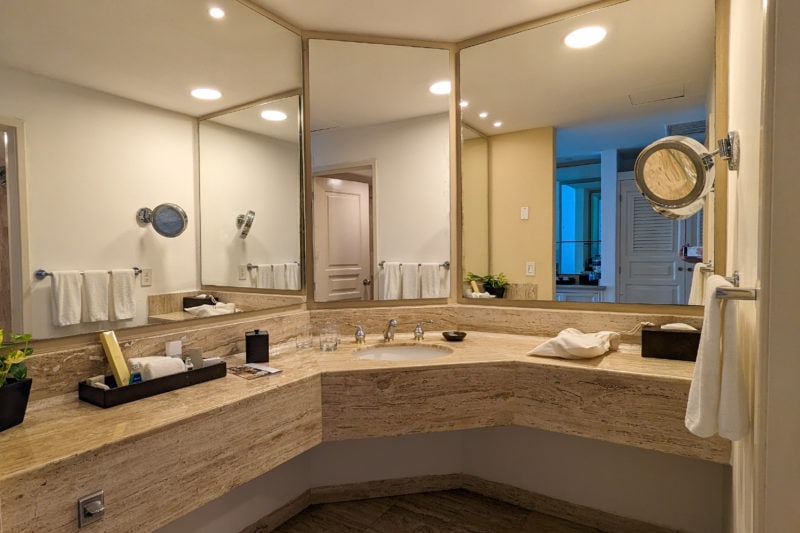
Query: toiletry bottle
188	362
136	373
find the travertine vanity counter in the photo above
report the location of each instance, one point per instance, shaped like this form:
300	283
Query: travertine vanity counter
243	428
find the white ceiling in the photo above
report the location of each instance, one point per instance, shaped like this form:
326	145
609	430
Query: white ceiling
249	119
434	20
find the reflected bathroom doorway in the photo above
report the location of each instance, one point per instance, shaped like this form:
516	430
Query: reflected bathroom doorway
342	234
11	310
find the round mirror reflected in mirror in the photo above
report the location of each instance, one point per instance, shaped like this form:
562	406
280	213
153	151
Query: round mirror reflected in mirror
675	174
169	220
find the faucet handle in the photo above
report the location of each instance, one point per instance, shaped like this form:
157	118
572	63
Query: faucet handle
419	331
361	337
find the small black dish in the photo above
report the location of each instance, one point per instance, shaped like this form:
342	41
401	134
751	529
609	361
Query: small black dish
454	336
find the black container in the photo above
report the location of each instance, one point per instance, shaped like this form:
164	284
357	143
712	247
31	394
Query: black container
13	402
256	346
137	391
670	344
194	301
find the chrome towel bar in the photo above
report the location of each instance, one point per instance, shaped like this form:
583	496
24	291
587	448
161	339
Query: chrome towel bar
41	273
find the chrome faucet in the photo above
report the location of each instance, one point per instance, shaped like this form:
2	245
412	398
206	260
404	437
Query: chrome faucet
419	331
388	335
361	336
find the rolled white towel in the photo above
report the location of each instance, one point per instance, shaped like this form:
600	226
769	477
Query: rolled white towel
212	310
575	344
158	366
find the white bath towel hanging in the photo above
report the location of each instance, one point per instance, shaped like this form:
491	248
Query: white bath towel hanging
279	275
390	281
444	282
410	281
718	394
123	300
429	279
697	292
95	295
293	276
265	279
66	297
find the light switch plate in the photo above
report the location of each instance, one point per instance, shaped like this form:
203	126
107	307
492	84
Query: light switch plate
147	277
523	213
91	508
242	272
530	268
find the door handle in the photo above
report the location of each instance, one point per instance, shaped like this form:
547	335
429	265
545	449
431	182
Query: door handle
366	281
680	269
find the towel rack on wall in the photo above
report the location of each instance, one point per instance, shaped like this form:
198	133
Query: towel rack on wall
251	266
445	264
41	273
736	292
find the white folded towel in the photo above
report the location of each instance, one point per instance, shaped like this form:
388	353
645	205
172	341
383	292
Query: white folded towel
66	297
699	277
718	394
265	279
212	310
293	276
390	281
429	280
95	295
574	344
158	366
444	283
279	275
410	281
123	282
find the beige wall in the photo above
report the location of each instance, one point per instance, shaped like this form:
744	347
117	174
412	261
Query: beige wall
522	170
475	204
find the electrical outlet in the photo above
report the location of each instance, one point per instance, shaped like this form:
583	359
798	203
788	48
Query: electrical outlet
530	268
523	213
91	508
242	272
147	277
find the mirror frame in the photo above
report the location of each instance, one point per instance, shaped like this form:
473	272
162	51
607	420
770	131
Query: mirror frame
720	124
454	141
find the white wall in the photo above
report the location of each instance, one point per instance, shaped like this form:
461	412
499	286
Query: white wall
92	161
778	434
412	192
744	214
240	171
672	491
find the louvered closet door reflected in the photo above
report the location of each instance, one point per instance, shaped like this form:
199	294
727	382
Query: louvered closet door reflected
648	252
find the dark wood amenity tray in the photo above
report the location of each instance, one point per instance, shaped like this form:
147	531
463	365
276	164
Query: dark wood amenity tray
119	395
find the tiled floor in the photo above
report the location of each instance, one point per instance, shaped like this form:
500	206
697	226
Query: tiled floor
451	511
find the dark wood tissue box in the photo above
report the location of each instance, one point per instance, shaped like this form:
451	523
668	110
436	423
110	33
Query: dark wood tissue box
670	344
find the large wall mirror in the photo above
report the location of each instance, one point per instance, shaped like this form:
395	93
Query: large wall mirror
549	139
95	100
380	171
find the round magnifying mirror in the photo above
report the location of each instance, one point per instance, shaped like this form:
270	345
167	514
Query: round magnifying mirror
675	174
169	220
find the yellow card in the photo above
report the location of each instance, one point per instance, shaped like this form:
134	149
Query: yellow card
114	354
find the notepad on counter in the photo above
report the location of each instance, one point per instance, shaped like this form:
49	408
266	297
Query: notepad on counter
252	370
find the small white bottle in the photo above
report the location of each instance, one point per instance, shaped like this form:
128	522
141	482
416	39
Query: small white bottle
188	362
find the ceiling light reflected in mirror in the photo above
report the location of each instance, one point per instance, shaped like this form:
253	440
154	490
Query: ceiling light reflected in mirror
440	87
216	12
206	93
585	37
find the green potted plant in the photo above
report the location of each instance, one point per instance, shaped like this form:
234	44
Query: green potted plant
15	385
495	284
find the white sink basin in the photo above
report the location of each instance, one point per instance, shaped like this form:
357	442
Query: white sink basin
403	352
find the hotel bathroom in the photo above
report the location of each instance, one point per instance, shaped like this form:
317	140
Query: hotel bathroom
313	207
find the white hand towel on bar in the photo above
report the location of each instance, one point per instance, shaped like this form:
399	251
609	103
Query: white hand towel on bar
95	295
697	292
410	281
429	280
718	393
66	297
293	276
390	281
123	301
279	275
265	279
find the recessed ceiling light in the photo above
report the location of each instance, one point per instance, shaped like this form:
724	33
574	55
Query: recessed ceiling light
585	37
483	114
216	12
440	87
205	93
273	115
497	124
463	103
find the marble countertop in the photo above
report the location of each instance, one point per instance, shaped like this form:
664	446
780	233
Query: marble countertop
64	427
